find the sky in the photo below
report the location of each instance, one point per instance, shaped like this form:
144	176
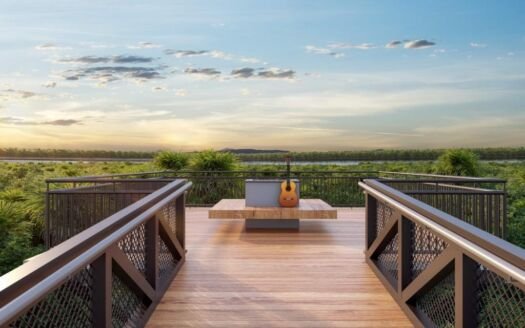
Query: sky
294	75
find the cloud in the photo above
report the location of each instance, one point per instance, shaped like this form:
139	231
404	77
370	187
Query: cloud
20	121
131	59
202	71
393	44
118	113
49	46
245	72
106	74
218	54
277	73
86	60
250	60
418	44
323	51
121	59
317	50
410	44
181	92
186	53
272	73
144	45
362	46
478	45
10	94
62	122
159	88
49	84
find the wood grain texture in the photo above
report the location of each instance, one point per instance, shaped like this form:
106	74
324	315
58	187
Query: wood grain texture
315	277
307	209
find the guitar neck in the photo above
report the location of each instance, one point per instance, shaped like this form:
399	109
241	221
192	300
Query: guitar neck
288	172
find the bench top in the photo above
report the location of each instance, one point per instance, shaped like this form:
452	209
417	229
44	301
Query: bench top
307	209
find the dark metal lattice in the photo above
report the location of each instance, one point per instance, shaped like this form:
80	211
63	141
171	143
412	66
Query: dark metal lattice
167	261
384	213
388	259
68	306
134	246
425	246
500	303
127	307
168	213
438	303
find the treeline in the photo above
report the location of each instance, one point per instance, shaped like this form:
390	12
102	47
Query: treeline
66	153
387	155
353	155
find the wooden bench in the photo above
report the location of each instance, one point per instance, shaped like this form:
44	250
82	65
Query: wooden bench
272	217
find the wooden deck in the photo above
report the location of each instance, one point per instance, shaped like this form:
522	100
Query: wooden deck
316	277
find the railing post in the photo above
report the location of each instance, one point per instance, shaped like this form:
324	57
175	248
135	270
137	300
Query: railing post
102	280
371	220
180	223
465	292
152	251
504	214
404	226
47	228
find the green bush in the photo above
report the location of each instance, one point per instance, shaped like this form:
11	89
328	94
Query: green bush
16	229
211	160
169	160
461	162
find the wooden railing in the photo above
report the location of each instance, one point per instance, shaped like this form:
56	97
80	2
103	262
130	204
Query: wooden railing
112	274
442	271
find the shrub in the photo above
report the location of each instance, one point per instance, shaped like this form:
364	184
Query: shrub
461	162
169	160
211	160
16	230
13	195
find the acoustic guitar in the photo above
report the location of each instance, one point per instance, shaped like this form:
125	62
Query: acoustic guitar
288	196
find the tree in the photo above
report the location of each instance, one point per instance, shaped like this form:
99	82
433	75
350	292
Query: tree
461	162
169	160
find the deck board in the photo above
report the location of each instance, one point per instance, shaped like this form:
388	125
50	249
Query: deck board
316	277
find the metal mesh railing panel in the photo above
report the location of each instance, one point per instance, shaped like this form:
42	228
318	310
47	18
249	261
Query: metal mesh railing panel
168	214
425	246
438	302
500	303
388	259
384	213
134	246
167	261
127	307
68	306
